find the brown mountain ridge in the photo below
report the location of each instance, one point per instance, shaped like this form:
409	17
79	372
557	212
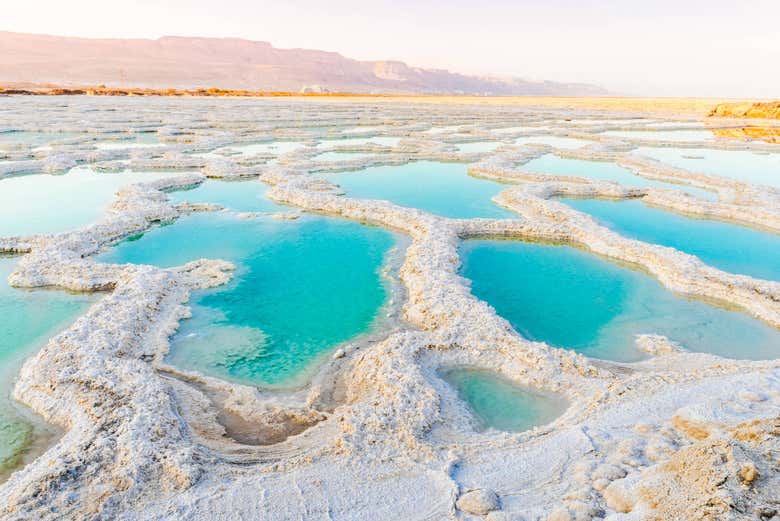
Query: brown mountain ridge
234	63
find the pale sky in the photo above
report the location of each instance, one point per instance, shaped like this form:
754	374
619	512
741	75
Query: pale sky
643	47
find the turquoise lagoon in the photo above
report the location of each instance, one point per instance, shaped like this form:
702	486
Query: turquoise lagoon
603	171
728	247
742	165
30	318
445	189
36	204
301	288
573	299
500	404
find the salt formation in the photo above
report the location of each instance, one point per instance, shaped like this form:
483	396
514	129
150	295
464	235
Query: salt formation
377	434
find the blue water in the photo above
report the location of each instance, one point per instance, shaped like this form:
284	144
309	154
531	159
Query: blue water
445	189
35	204
30	318
302	287
729	247
241	196
498	403
602	170
573	299
743	165
553	141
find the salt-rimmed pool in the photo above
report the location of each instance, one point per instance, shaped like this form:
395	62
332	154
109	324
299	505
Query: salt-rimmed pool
553	141
36	204
442	188
604	171
498	403
729	247
302	287
742	165
573	299
663	135
478	146
29	319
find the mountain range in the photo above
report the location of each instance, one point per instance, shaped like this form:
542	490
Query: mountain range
234	63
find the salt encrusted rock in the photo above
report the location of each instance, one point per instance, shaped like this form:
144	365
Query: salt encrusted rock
478	502
657	345
620	495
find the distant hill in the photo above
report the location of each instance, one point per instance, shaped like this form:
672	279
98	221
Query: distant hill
233	63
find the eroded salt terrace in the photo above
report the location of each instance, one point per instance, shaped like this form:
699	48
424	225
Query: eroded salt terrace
202	322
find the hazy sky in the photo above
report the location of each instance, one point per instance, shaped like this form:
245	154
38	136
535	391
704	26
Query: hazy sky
655	47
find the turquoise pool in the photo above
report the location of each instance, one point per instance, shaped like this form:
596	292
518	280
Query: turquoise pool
445	189
498	403
729	247
35	204
553	141
604	171
573	299
742	165
241	196
663	135
301	288
30	318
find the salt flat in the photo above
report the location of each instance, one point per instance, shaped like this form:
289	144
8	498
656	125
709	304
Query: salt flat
368	426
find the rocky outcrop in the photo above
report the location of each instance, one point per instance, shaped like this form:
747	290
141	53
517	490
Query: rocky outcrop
764	110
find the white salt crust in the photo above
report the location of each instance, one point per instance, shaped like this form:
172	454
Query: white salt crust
376	434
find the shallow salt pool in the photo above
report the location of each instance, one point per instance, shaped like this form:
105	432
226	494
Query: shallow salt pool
250	149
742	165
663	135
38	139
378	140
553	141
241	196
30	318
301	288
728	247
478	146
573	299
445	189
498	403
341	156
35	204
604	171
